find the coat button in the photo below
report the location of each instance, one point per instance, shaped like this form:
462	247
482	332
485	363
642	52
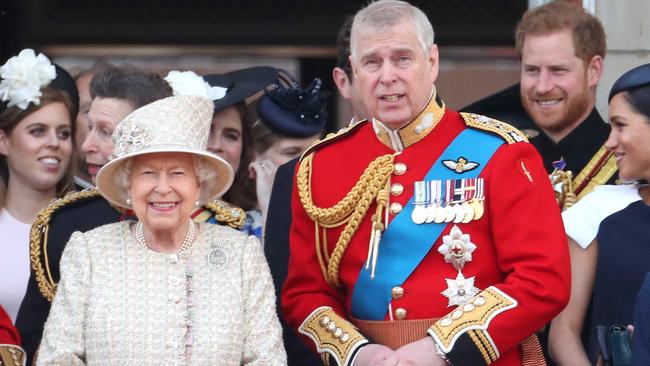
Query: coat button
396	189
397	292
399	168
446	321
344	337
395	208
400	313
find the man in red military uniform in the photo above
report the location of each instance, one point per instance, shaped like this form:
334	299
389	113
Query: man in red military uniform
423	236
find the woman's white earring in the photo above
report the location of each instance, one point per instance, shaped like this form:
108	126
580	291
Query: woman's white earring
197	203
128	201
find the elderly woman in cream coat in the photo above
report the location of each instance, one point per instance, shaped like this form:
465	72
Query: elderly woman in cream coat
164	290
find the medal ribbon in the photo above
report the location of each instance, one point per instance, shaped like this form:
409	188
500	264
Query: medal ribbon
419	193
470	189
435	192
404	244
458	190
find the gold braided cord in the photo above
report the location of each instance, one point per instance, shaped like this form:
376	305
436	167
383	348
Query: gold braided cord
335	214
565	197
350	210
38	241
227	213
327	254
319	252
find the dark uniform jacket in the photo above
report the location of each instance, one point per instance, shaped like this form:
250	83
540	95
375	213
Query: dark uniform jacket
580	149
276	249
577	148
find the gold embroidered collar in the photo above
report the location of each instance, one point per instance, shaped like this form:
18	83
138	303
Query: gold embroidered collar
415	130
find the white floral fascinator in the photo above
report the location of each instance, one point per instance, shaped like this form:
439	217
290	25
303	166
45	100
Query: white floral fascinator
23	76
189	83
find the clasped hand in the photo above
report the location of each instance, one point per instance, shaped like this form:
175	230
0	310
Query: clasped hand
418	353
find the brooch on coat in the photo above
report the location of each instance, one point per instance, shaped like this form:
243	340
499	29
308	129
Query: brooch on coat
217	258
457	248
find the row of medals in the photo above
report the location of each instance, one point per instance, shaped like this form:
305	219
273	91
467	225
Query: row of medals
461	201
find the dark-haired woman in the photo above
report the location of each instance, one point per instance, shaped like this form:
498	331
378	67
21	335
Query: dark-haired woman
609	271
39	104
231	138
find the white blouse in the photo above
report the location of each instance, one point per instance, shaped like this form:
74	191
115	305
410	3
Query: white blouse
581	221
14	265
119	303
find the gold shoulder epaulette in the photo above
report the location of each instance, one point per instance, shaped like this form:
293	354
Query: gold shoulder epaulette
331	137
227	213
38	240
510	134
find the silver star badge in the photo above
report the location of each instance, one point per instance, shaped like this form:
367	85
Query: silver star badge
457	248
460	290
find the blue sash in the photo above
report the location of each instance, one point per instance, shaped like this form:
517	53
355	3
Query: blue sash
404	244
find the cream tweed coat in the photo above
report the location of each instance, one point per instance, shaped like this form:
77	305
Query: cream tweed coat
119	303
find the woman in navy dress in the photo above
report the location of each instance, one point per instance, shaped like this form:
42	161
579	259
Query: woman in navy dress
620	255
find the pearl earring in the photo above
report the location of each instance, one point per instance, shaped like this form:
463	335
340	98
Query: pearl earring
128	201
197	203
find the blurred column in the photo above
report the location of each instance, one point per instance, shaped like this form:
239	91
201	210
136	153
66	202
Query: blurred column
627	26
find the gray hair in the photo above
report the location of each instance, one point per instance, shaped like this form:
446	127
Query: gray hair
205	176
379	15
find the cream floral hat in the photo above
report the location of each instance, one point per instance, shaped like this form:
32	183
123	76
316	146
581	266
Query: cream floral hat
174	124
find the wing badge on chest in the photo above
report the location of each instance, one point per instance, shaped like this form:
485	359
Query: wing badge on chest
460	165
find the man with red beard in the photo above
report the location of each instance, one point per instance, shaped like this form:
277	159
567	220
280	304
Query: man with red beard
562	49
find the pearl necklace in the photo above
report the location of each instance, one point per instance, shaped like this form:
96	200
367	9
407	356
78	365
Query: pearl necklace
189	237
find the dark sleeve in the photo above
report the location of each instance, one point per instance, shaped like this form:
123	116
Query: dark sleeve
641	350
31	317
80	216
35	307
276	250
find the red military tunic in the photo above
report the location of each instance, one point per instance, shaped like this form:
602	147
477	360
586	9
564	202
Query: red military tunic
10	351
521	246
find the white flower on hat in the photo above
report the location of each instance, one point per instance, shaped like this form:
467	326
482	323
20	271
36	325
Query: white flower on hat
189	83
23	76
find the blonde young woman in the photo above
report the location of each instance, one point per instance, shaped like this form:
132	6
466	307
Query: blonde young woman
163	290
38	106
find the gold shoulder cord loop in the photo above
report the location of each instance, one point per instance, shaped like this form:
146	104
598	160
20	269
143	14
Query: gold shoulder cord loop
377	228
227	213
349	211
38	242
